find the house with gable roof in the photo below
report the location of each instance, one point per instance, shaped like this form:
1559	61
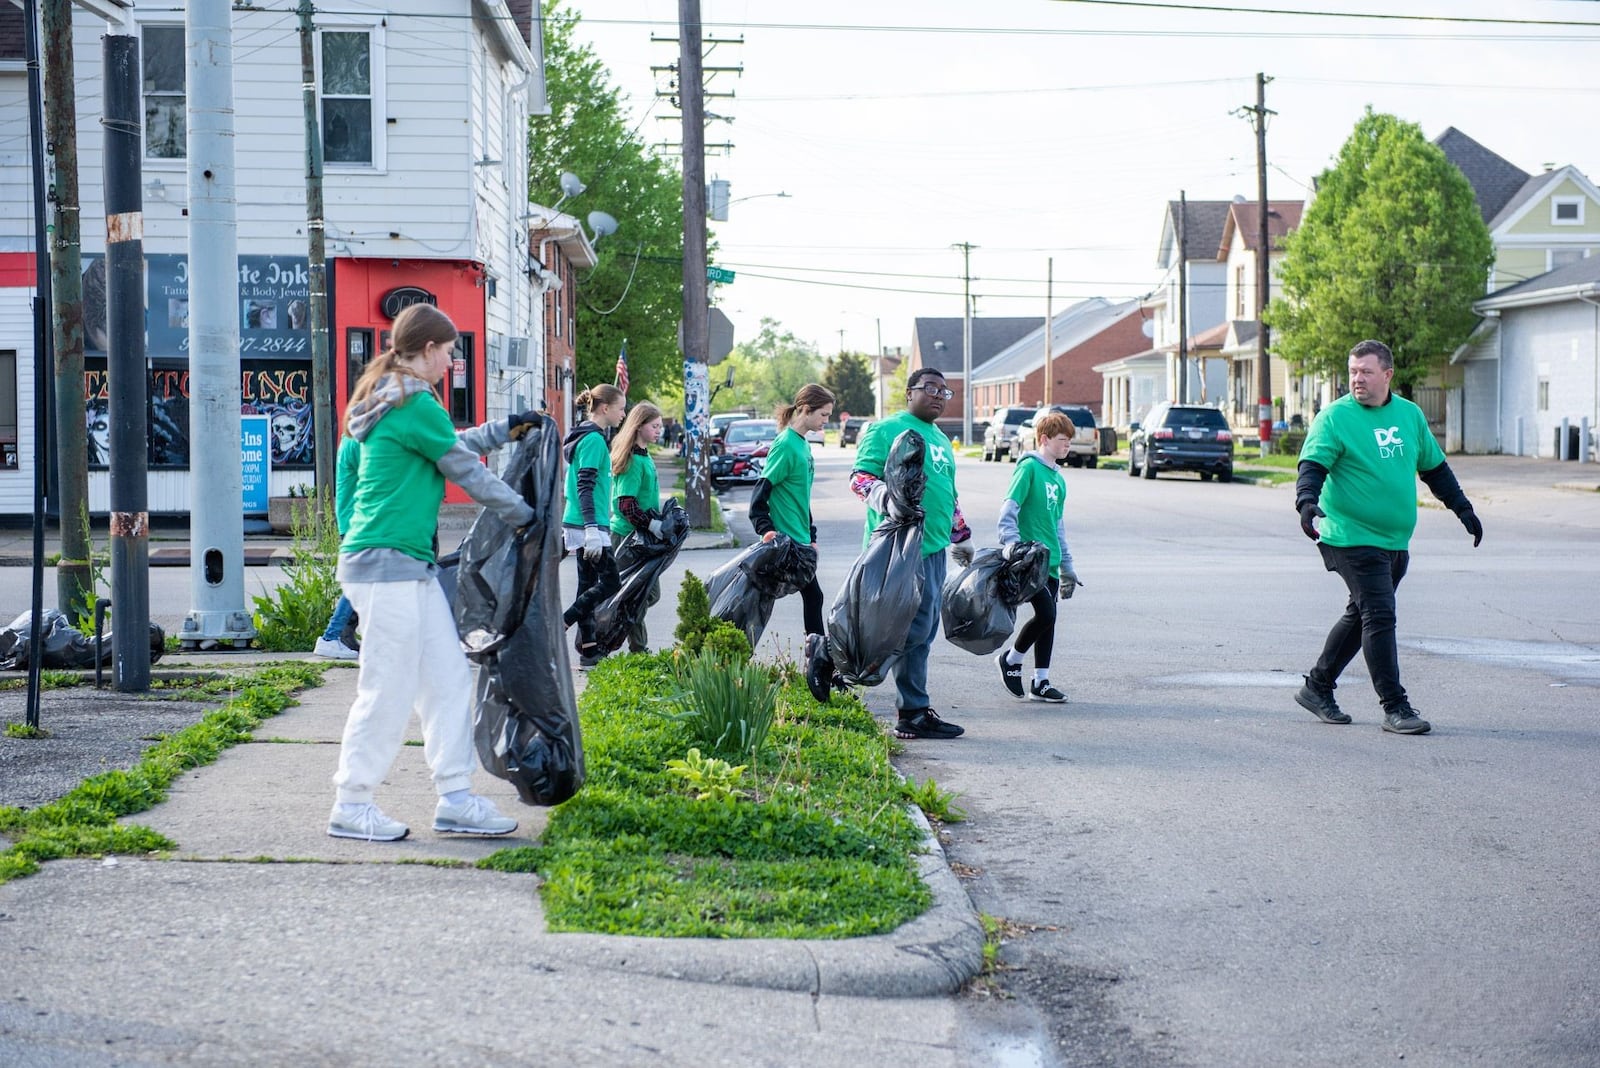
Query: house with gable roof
1081	336
938	343
1238	251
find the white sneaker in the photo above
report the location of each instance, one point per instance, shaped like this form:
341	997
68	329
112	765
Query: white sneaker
334	650
475	815
366	822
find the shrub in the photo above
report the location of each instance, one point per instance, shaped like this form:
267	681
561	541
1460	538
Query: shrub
728	706
694	613
726	642
292	617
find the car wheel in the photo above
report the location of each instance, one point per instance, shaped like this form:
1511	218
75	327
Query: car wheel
1149	465
1205	476
1093	461
1133	468
1225	476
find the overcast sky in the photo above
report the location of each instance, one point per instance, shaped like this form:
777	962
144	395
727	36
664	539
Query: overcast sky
1051	128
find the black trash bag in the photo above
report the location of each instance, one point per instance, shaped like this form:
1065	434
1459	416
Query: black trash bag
641	558
508	613
874	609
979	606
61	644
743	590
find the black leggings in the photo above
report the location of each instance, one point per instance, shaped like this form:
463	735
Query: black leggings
1040	631
597	580
811	606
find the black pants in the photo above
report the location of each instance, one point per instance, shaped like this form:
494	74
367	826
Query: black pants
811	606
1040	631
1367	625
597	580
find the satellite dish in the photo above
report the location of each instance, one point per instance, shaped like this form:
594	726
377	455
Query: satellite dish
571	184
602	224
1147	327
1238	198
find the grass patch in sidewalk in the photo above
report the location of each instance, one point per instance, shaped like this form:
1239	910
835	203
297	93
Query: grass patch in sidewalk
84	822
816	841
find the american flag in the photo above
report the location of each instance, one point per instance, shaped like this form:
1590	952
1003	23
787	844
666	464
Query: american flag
622	367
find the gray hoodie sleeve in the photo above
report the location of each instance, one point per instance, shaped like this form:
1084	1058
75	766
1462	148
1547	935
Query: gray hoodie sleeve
484	439
460	465
1009	531
1066	553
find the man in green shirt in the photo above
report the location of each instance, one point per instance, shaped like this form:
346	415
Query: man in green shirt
942	527
1358	472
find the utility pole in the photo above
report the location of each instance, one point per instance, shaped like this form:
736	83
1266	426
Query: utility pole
74	581
696	317
316	265
216	530
1183	300
966	248
128	378
1049	315
41	344
1259	114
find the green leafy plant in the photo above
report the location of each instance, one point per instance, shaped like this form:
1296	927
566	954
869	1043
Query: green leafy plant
935	803
83	609
292	617
23	731
694	613
726	642
727	706
707	778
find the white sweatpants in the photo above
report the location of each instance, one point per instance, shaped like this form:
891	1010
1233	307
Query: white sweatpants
411	660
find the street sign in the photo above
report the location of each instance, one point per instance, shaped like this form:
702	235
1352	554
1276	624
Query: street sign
720	275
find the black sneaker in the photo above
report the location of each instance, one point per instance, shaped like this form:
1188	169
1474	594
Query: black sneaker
1010	674
1043	691
1404	720
925	723
819	669
1320	704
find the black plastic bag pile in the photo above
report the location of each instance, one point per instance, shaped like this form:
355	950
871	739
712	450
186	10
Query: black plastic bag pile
979	606
508	612
873	610
61	644
743	590
641	558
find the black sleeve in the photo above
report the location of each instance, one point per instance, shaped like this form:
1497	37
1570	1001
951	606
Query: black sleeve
1308	487
588	479
760	513
1441	482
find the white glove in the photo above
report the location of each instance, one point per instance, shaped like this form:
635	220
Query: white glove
654	528
1069	583
1009	550
961	553
594	544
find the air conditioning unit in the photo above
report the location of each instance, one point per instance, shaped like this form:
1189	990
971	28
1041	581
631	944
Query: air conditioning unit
516	352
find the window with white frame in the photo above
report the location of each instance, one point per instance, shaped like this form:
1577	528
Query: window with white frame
349	82
162	70
1561	257
1566	211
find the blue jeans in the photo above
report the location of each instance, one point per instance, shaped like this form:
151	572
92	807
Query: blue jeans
911	665
336	622
1367	626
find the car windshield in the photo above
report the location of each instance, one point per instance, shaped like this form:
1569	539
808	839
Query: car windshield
1014	416
1207	417
752	432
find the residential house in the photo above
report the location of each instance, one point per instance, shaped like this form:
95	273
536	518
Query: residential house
1087	333
424	113
1238	251
938	343
563	250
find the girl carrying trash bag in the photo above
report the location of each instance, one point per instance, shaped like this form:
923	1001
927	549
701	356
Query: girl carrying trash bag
781	500
588	512
636	496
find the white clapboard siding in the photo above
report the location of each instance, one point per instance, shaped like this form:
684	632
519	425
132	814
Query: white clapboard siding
16	335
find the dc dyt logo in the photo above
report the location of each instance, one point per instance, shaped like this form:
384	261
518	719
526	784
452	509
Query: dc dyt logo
1390	444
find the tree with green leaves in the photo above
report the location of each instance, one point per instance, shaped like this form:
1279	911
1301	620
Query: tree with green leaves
769	369
636	290
1393	248
849	379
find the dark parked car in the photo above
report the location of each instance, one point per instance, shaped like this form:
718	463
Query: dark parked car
1182	437
850	430
744	447
1002	432
1085	450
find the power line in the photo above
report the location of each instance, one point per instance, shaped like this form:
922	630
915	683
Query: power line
1384	16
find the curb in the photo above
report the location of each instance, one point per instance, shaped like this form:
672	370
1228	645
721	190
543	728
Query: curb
930	956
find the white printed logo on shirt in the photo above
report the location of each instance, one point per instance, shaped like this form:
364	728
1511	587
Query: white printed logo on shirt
1390	444
1052	494
939	456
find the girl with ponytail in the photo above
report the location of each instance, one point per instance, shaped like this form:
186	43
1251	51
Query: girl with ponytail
636	496
781	500
588	459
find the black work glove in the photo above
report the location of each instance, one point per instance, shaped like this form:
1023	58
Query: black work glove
1309	514
519	424
1474	525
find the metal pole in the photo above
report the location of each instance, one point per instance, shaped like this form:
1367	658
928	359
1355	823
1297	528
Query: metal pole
1049	315
216	528
41	345
1183	299
316	266
966	341
74	584
128	378
696	320
1263	271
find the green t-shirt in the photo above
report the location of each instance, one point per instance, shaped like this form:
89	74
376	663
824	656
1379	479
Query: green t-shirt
638	481
790	469
348	468
593	452
939	461
1372	456
399	487
1041	496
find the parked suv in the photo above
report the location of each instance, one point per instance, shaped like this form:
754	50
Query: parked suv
1085	449
1182	437
1002	431
850	430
